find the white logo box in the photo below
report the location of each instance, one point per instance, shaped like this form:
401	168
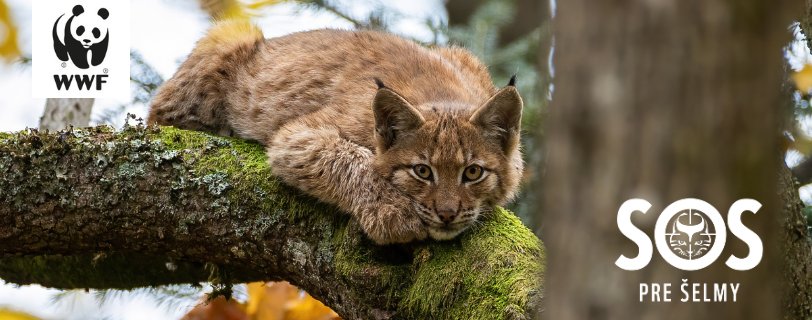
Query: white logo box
114	69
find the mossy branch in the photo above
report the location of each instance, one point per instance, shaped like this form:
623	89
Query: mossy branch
96	208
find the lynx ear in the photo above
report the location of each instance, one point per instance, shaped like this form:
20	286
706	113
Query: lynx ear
500	117
394	117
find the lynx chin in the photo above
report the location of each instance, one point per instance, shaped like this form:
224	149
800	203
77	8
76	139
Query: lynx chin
412	141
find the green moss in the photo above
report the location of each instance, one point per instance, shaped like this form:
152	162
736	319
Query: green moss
488	273
382	270
491	272
220	160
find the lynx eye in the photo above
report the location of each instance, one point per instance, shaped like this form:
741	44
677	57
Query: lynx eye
472	173
423	171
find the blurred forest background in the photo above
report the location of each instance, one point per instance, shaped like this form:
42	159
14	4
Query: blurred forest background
508	35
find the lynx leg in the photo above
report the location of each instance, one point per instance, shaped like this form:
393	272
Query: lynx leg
319	161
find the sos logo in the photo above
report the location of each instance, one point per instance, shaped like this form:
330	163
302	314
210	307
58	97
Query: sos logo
690	234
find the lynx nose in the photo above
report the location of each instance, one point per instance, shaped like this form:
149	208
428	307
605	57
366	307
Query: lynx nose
447	216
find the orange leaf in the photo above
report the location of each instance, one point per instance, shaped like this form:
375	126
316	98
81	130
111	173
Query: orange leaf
308	308
6	314
803	79
8	34
217	309
269	299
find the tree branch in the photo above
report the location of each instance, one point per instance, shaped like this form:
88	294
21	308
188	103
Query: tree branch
146	206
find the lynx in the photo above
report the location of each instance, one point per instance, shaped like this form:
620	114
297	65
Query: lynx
411	141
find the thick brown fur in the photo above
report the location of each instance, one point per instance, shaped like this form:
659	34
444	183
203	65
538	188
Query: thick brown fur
312	99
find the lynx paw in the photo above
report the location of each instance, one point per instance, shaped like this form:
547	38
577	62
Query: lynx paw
387	224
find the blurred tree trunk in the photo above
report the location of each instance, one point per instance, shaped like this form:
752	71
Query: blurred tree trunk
797	271
664	101
63	112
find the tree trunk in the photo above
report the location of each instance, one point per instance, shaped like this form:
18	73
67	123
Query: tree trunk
662	100
143	207
797	250
796	242
64	112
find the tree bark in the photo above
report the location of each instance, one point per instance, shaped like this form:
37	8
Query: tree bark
663	100
63	112
797	250
797	246
146	206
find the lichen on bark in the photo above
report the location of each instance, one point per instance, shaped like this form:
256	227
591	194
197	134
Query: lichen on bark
96	208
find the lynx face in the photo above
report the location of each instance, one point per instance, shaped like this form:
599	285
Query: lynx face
456	162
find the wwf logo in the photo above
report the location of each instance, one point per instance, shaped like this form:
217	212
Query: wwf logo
690	234
83	33
74	55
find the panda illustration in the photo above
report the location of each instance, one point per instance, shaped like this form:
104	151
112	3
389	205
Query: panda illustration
83	33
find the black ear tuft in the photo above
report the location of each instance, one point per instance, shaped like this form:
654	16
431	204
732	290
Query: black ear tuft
103	13
77	10
379	83
512	81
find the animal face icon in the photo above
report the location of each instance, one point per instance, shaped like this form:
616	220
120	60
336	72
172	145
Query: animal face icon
89	29
690	235
83	32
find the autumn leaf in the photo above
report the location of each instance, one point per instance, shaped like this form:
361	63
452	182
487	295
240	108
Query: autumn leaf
307	308
283	301
6	314
8	34
217	309
803	79
259	4
266	301
235	9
